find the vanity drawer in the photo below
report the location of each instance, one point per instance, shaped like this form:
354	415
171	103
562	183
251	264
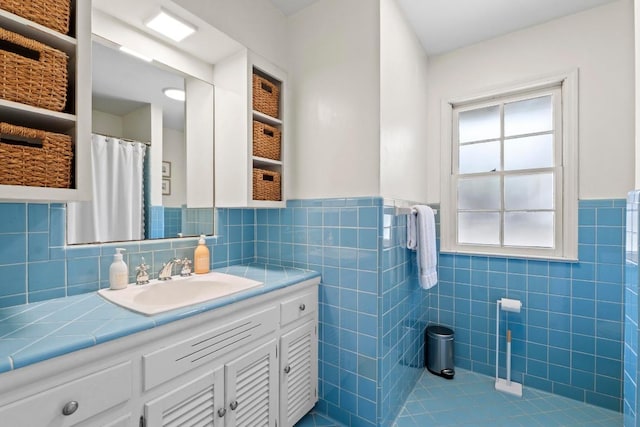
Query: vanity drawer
94	394
298	307
172	361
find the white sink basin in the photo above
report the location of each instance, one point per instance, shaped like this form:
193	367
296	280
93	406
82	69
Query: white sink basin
161	296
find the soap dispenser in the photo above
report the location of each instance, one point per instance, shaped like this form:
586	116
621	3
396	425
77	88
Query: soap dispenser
118	272
201	257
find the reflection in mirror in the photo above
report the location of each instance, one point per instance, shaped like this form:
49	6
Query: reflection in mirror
139	155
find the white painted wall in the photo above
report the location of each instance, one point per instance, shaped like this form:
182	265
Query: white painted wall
600	43
334	71
231	131
403	108
257	24
106	124
174	151
138	124
636	9
199	139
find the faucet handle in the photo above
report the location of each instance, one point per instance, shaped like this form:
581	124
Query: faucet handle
142	274
186	267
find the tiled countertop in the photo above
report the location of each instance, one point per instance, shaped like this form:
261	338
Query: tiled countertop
31	333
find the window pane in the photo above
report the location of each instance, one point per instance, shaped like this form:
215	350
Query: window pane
479	124
479	193
482	157
528	192
528	116
528	229
479	228
528	153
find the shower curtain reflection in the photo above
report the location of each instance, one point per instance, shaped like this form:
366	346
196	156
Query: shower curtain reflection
116	212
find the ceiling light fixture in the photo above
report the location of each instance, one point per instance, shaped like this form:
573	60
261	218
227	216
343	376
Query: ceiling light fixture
170	26
173	93
135	53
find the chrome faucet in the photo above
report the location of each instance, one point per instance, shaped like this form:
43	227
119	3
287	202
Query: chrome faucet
166	271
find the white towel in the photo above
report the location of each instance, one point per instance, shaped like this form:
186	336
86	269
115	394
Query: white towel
421	236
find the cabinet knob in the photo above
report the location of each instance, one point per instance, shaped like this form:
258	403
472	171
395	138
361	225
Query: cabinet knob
233	405
302	307
221	412
70	408
287	369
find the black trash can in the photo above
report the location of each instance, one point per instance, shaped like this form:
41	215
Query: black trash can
439	351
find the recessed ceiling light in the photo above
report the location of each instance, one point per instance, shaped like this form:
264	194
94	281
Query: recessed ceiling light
170	26
135	53
173	93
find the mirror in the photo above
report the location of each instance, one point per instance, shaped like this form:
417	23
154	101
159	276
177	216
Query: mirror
152	156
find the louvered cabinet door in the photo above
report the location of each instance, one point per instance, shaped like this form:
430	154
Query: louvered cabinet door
195	404
252	388
298	373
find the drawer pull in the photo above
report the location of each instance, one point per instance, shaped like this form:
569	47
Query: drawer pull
287	369
70	408
221	412
233	405
302	307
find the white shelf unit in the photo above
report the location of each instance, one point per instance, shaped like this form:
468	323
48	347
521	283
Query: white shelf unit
233	78
75	120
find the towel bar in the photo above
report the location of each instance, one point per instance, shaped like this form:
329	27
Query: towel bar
409	211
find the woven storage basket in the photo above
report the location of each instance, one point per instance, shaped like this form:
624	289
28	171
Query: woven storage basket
50	13
266	141
266	185
46	165
32	72
266	96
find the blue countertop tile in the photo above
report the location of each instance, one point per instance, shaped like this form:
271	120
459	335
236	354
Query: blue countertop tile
35	332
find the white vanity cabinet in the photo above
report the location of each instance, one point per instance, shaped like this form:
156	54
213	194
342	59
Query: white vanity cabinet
250	363
72	403
299	373
75	119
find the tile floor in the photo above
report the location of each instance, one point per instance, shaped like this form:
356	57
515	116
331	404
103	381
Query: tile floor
470	400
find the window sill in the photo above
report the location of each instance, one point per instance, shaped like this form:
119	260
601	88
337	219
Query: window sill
516	256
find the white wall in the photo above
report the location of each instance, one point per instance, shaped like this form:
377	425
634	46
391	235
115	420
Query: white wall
599	42
174	151
636	20
403	108
106	124
257	24
199	139
334	71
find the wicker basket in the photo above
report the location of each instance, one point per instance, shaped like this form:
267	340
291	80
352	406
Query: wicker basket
46	164
266	96
32	72
266	185
266	141
50	13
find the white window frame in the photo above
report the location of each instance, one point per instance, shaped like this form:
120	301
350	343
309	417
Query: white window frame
566	198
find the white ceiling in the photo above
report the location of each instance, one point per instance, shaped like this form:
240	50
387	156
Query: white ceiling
445	25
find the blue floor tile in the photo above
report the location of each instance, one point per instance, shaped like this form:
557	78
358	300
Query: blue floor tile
471	400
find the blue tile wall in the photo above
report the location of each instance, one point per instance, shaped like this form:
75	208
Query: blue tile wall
568	339
36	265
372	312
156	222
172	222
405	312
631	312
196	221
